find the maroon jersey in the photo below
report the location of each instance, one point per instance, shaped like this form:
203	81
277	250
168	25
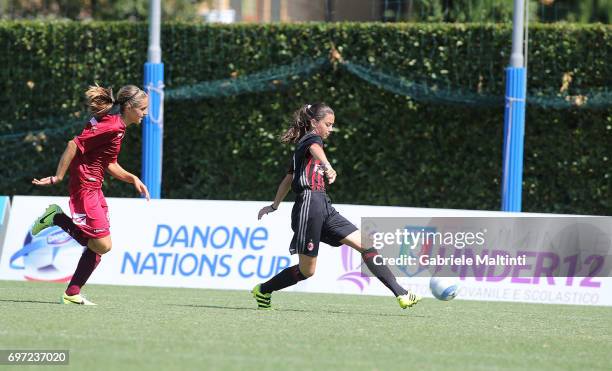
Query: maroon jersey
98	145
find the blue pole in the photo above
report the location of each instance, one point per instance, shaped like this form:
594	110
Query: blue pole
153	129
514	116
514	135
153	126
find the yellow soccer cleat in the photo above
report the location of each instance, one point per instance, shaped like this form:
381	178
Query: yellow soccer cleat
46	219
75	299
264	301
408	300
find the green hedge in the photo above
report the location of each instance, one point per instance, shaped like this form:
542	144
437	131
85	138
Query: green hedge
388	149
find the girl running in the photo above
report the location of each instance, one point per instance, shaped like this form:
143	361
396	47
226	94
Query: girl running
313	218
88	156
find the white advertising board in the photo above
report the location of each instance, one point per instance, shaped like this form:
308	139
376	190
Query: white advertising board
222	245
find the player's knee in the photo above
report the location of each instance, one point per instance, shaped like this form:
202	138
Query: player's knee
106	248
103	247
307	272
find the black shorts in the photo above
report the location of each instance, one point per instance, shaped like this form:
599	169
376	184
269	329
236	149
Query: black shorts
314	220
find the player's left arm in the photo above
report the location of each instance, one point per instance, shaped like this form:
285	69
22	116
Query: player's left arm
281	193
116	171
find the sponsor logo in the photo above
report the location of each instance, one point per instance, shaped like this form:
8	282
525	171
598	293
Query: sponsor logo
42	220
352	268
319	169
51	255
79	219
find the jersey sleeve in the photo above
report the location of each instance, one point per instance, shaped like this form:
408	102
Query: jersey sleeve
291	167
92	138
315	139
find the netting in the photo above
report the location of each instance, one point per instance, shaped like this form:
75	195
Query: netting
274	78
35	132
266	80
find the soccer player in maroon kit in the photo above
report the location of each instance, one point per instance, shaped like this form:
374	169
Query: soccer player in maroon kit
88	156
313	218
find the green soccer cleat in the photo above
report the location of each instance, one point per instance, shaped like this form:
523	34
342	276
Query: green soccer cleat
264	301
408	300
76	299
46	219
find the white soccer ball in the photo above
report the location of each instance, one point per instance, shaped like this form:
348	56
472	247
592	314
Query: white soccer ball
444	288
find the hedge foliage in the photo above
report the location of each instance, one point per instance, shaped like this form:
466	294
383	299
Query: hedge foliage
387	149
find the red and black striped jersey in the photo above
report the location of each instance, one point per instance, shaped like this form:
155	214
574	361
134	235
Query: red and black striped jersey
307	172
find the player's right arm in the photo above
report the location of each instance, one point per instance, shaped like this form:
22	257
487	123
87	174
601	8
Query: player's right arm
281	193
319	154
62	167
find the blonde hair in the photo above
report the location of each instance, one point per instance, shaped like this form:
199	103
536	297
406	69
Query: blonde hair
101	101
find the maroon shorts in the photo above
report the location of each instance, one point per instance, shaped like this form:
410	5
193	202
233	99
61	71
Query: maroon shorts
90	212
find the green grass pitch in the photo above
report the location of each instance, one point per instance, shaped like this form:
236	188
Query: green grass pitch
135	328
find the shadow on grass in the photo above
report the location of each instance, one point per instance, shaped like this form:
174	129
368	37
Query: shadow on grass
28	301
406	314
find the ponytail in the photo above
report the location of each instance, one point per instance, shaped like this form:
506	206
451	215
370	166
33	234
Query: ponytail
303	119
100	100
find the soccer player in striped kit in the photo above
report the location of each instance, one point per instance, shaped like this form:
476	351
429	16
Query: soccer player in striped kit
313	218
88	156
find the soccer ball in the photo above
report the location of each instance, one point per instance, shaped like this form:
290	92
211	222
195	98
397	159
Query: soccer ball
444	288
